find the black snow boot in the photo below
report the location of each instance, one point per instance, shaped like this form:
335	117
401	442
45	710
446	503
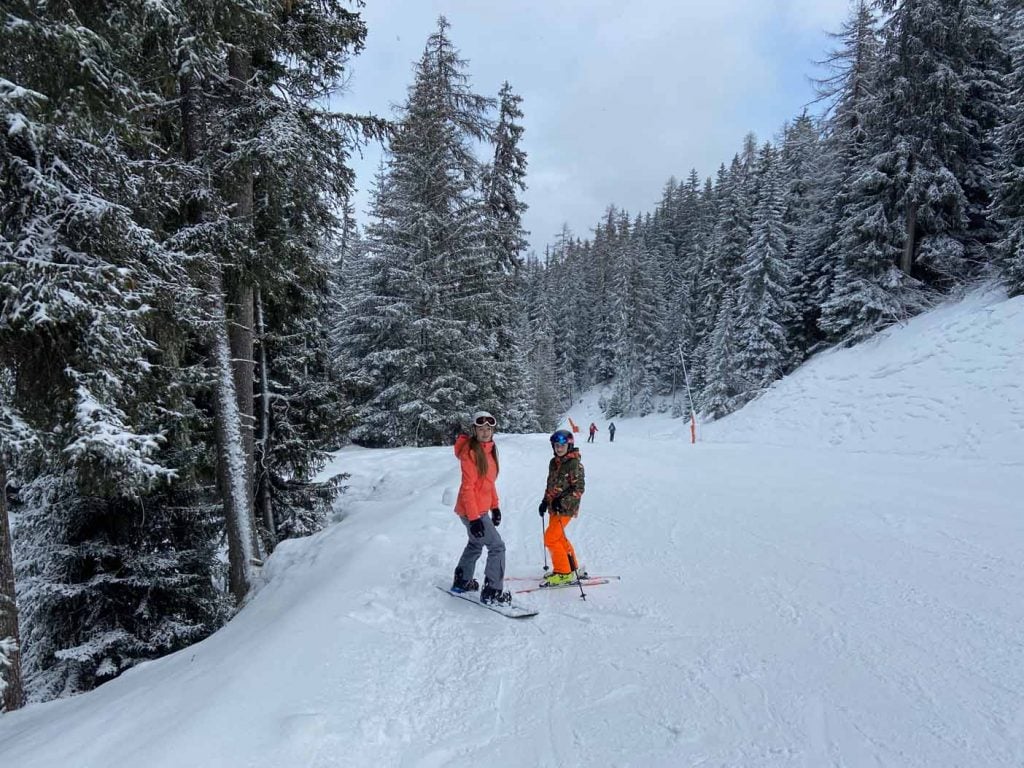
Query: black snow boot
464	585
491	596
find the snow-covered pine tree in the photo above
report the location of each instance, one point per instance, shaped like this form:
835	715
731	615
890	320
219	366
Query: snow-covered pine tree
719	269
1010	203
429	262
649	323
845	90
848	249
922	191
106	580
724	386
922	187
800	166
606	321
678	240
301	217
764	309
629	357
540	339
566	281
212	44
503	182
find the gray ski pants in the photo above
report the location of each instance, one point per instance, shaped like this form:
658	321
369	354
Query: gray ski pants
494	571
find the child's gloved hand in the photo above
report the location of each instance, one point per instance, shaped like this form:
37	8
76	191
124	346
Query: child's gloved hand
496	516
477	528
543	507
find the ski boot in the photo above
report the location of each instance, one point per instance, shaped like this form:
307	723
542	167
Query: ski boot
558	579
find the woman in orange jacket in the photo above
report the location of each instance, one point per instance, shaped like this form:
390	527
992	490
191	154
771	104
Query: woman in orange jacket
477	507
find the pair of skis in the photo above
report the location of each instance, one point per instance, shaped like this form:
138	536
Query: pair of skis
586	581
516	611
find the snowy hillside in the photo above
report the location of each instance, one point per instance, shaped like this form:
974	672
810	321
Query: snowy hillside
831	577
951	383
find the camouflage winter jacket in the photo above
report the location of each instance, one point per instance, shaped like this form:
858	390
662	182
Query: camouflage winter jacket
565	483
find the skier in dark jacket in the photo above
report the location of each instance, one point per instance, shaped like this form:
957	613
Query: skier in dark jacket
611	432
565	486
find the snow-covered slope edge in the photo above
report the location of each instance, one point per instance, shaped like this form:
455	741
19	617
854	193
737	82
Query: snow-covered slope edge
950	382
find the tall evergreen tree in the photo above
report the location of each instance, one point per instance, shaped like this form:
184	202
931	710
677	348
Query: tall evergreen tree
429	261
135	224
1010	203
764	308
108	581
503	182
800	166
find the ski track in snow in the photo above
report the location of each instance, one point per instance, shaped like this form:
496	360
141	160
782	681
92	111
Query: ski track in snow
832	578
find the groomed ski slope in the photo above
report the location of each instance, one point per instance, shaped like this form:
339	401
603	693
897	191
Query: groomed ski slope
833	576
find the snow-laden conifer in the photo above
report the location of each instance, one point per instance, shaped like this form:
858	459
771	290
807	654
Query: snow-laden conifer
1010	203
764	308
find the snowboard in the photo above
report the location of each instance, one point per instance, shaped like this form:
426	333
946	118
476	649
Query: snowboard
512	611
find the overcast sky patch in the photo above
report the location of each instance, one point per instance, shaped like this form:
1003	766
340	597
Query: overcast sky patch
616	97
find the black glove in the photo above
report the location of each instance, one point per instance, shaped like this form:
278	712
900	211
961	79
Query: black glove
556	504
543	507
477	528
496	516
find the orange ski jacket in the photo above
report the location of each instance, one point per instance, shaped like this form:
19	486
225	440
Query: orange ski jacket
477	494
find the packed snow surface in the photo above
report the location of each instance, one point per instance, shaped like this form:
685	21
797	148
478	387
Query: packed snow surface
833	576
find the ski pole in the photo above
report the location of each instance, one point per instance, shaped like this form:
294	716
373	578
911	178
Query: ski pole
543	546
572	559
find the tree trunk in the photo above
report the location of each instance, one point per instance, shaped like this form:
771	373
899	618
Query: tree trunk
242	292
227	424
14	692
231	460
263	475
907	258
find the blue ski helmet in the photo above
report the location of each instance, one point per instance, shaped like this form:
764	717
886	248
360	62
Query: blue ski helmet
562	437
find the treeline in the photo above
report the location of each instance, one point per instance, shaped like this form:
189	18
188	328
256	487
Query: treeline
908	187
171	183
905	187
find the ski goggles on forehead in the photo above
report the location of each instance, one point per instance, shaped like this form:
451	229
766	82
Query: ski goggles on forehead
560	438
485	421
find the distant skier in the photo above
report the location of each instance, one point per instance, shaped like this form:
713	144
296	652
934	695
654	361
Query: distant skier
611	432
477	507
593	431
562	499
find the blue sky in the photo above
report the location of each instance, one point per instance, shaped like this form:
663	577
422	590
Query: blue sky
617	97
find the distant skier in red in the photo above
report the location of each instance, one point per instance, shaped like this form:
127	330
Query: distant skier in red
593	431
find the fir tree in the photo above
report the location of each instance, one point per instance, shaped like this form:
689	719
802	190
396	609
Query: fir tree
1010	207
429	262
503	181
764	307
81	284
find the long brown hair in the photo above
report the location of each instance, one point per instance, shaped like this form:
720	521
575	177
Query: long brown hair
481	458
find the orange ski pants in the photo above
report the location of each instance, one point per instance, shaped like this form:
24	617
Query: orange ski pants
558	544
